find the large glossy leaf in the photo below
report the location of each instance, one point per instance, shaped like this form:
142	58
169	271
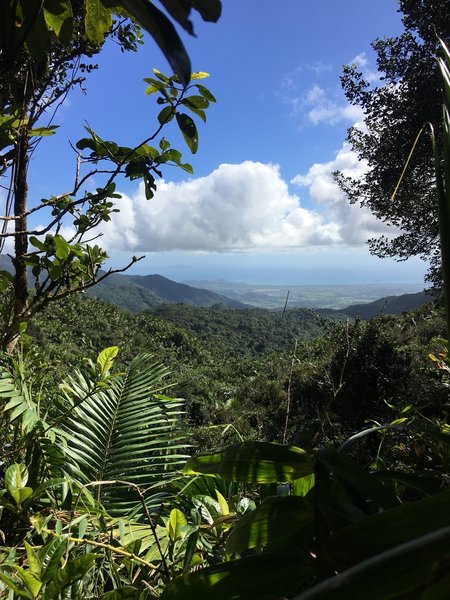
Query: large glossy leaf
98	20
180	9
368	492
266	576
126	432
382	531
164	34
275	521
59	17
405	571
253	462
189	131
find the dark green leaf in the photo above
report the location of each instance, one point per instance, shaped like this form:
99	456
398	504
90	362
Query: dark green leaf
385	530
267	576
166	115
189	131
253	462
164	34
205	92
59	17
403	571
277	520
195	102
75	569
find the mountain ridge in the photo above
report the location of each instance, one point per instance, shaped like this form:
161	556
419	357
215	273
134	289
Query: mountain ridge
139	293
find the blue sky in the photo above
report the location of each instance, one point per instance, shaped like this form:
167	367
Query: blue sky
261	205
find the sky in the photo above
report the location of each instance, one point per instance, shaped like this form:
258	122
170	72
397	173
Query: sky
262	205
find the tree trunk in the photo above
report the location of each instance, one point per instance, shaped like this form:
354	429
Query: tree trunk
20	302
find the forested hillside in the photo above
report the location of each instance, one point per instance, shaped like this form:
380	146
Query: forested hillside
232	366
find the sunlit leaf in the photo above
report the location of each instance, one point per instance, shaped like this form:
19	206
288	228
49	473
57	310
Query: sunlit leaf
98	20
253	462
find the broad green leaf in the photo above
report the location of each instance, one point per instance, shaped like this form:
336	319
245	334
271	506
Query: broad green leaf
62	248
278	520
75	569
387	529
33	560
205	92
189	131
403	571
164	34
20	494
98	20
196	101
105	359
31	582
303	485
16	476
253	462
37	243
266	576
175	523
166	115
224	508
59	17
33	32
358	481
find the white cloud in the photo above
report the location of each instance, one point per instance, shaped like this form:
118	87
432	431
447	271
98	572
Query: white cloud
236	207
239	207
317	106
362	62
355	225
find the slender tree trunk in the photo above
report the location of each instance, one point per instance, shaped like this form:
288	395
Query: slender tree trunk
20	303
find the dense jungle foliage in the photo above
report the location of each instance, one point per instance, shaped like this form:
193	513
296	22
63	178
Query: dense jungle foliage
93	450
216	454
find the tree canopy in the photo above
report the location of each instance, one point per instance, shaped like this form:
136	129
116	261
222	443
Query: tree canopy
45	52
407	96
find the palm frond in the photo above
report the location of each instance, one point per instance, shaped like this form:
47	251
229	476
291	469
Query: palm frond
127	432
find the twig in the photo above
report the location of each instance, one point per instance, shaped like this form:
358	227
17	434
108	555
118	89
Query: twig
113	549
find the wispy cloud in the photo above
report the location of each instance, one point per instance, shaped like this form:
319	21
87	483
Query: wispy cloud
323	109
363	63
317	103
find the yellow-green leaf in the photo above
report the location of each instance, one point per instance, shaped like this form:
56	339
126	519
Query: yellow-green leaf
175	523
98	20
224	508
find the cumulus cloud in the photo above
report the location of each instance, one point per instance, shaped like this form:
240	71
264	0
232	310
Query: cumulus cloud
236	207
240	207
355	225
